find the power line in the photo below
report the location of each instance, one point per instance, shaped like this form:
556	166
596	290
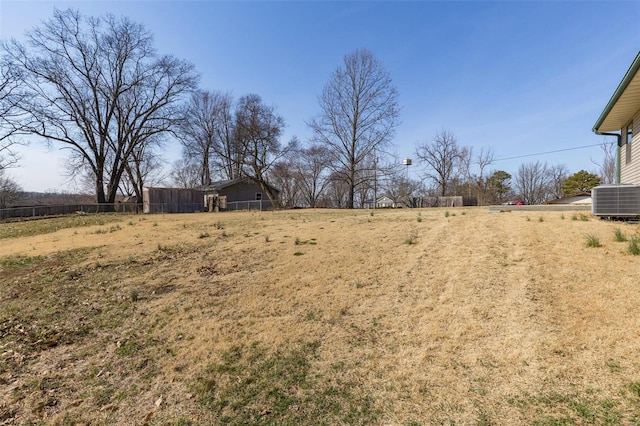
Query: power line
548	152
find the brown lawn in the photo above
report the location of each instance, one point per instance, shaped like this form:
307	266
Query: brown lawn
394	317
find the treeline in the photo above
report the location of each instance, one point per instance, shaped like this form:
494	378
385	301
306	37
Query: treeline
98	87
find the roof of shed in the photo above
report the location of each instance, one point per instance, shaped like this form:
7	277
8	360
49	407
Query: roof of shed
222	184
624	103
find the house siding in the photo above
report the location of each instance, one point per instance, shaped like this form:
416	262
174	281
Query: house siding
242	195
243	192
630	171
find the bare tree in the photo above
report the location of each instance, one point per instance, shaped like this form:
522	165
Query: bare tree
359	112
483	160
607	166
461	180
229	150
557	175
532	182
257	131
206	134
400	188
284	175
97	86
440	157
313	165
337	192
185	174
144	169
10	191
11	115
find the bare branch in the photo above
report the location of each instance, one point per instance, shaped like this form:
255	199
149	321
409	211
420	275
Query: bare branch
96	86
441	157
359	113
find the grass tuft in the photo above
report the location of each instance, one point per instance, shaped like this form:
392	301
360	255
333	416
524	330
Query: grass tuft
411	239
619	236
593	241
634	246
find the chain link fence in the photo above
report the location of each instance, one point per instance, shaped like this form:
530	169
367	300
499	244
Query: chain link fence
61	210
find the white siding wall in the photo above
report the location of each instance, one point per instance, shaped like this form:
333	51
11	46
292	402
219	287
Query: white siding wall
630	172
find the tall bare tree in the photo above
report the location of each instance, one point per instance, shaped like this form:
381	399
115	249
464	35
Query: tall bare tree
11	115
229	150
257	131
359	112
441	157
97	86
206	134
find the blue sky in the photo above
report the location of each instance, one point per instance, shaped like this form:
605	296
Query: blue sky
518	77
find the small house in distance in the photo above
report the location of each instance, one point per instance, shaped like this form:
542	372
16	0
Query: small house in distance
382	202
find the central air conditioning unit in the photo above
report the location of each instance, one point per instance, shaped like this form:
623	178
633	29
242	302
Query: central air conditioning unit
613	201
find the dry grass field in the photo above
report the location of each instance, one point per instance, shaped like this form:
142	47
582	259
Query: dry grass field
405	317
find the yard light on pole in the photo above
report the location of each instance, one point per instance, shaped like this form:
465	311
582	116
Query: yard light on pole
407	162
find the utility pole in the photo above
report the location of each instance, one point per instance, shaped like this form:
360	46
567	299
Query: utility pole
375	180
407	162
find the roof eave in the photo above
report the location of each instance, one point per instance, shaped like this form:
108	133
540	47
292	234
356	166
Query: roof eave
626	80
